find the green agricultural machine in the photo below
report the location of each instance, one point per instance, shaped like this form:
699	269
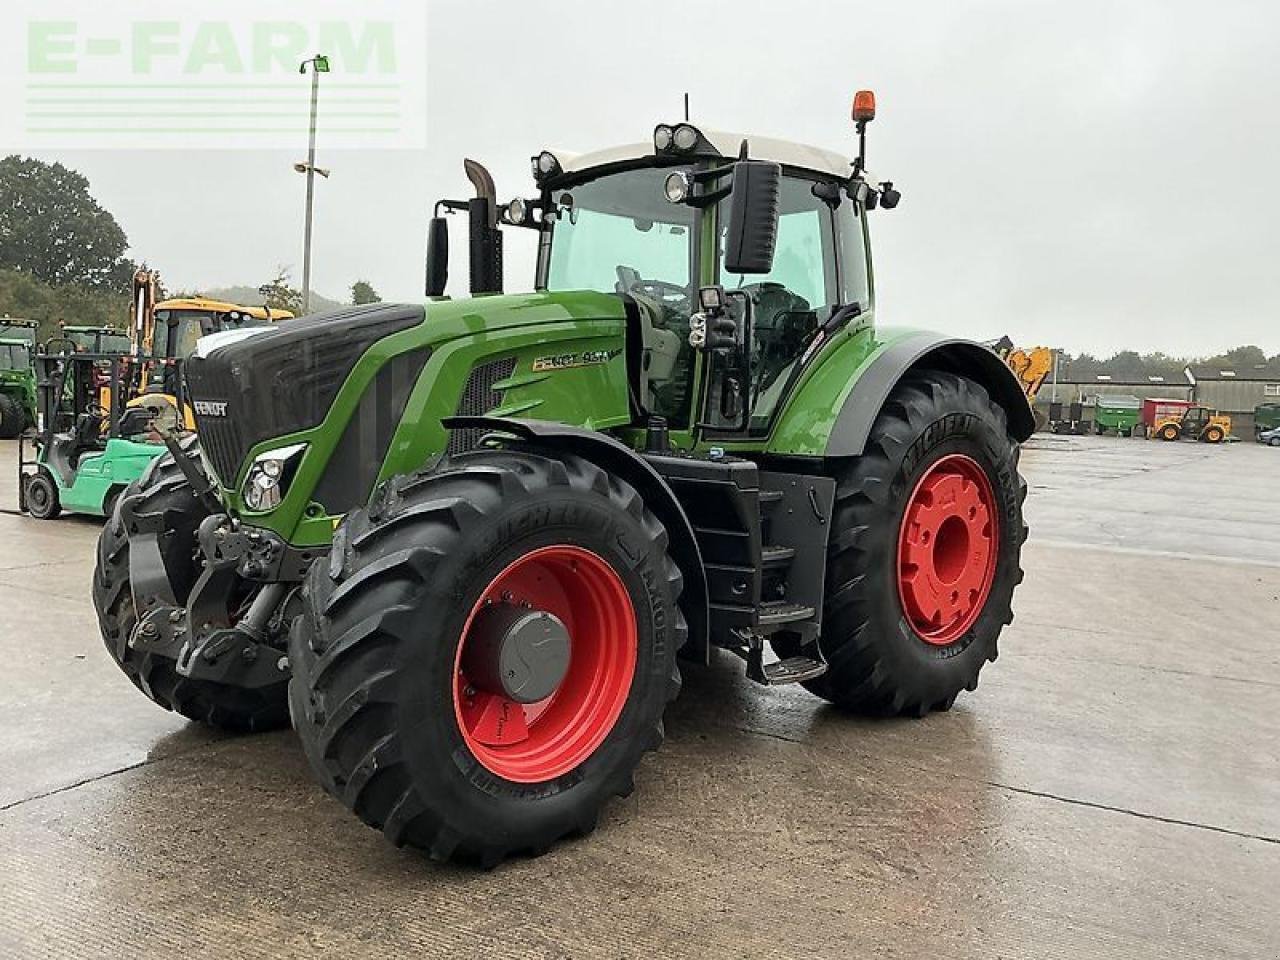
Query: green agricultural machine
1118	414
102	340
465	545
17	377
90	445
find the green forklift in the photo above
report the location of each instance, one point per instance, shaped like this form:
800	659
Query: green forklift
464	545
86	452
17	377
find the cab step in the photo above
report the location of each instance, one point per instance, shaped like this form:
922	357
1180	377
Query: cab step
781	612
773	555
790	670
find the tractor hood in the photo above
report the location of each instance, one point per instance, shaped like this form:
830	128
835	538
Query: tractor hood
282	380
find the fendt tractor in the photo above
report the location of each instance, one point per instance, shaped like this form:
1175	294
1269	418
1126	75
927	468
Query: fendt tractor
462	545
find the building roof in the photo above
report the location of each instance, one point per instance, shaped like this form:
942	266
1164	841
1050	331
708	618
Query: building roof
1253	373
785	152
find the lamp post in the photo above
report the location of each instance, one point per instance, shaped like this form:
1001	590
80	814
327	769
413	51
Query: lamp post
319	64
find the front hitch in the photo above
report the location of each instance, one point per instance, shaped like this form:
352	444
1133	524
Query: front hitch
224	633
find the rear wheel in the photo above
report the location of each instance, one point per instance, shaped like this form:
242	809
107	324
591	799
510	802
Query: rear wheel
13	419
1169	432
924	553
488	653
168	492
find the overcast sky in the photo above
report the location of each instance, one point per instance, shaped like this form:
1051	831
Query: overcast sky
1091	175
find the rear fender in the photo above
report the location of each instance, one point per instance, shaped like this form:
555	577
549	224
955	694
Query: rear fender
620	460
924	351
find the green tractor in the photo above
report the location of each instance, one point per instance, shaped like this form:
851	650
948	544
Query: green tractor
463	545
17	377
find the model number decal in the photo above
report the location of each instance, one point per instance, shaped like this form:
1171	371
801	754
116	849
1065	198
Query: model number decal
565	361
210	408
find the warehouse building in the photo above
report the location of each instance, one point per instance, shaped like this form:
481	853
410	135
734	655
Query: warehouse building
1235	391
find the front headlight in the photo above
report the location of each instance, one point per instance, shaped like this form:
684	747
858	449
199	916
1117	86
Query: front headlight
270	475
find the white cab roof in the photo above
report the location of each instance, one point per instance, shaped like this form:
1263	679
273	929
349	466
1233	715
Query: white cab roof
784	152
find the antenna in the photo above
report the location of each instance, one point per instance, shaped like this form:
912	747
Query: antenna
686	106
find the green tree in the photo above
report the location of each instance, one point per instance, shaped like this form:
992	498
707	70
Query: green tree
1245	357
280	294
23	296
52	228
362	292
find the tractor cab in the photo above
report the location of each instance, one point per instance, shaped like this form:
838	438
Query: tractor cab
736	258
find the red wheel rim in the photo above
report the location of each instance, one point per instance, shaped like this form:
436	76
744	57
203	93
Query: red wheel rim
947	549
535	742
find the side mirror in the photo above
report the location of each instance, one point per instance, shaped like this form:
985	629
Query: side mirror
437	256
753	217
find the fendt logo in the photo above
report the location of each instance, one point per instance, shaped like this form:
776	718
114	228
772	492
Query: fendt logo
210	408
78	73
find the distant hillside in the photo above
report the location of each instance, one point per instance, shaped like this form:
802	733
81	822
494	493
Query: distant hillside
250	297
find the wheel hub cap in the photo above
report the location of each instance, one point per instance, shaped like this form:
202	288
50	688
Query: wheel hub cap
545	664
518	653
947	549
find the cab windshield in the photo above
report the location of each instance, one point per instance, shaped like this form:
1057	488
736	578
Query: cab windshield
177	331
619	234
14	356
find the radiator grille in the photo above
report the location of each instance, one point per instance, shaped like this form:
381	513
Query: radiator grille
478	398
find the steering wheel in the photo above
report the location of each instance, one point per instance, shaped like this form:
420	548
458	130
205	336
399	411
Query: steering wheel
667	294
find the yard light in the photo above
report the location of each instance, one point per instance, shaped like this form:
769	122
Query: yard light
319	64
662	137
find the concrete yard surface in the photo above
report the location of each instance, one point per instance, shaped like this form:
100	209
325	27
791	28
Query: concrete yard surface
1112	789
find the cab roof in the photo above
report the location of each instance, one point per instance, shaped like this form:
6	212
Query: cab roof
222	306
789	154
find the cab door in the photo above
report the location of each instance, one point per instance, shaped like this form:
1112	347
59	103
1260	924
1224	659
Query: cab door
820	266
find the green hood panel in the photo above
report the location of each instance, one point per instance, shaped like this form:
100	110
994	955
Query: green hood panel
560	356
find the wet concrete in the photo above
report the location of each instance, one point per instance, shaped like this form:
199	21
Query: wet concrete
1112	789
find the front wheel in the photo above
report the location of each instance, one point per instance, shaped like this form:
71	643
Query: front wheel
488	653
1214	435
164	490
925	551
41	496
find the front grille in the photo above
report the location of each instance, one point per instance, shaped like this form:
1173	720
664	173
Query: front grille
221	440
478	398
285	379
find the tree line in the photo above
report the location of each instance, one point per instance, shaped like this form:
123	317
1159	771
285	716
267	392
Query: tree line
1131	365
64	258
